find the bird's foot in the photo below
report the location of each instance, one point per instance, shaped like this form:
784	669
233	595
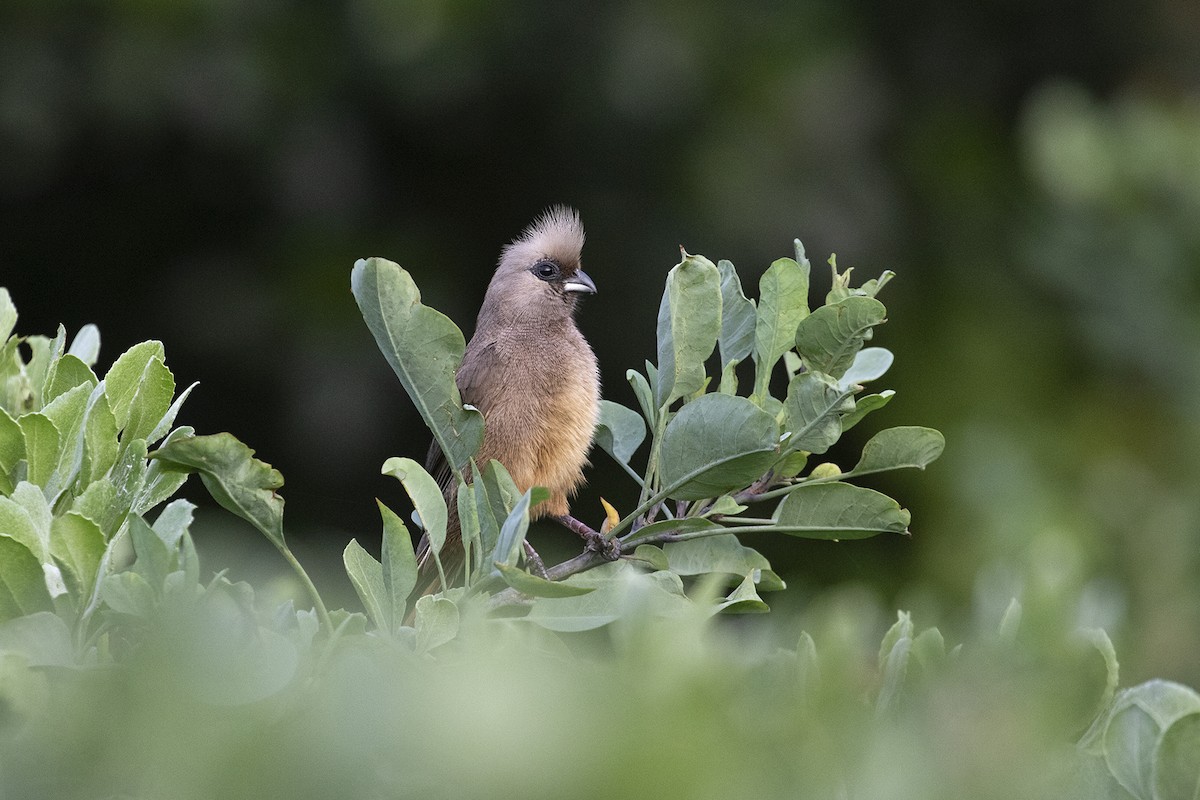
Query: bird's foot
594	541
534	562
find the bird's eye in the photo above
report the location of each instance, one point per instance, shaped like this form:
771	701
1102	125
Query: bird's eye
546	270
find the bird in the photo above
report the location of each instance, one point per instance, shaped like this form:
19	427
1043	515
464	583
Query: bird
531	373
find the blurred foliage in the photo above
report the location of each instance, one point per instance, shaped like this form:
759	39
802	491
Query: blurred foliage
206	171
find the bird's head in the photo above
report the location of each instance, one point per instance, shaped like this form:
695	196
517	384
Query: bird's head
541	269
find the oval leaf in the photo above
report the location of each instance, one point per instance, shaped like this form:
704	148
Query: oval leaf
424	348
737	317
716	444
782	305
839	511
814	408
366	575
426	497
1177	761
689	323
829	338
236	480
398	565
619	431
907	446
535	586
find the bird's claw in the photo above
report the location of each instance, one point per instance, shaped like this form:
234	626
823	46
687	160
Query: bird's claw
610	549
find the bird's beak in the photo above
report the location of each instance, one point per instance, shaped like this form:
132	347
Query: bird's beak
580	282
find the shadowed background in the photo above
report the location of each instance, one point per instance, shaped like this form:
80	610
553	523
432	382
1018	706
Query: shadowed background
206	173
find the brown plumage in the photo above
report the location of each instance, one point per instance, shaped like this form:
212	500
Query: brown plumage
530	372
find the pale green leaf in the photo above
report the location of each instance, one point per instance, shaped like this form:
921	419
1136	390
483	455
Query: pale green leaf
436	621
829	338
173	522
512	533
536	586
651	555
164	424
153	559
1177	760
42	639
26	517
124	379
86	344
839	511
689	323
22	580
782	305
399	566
239	482
128	593
813	410
619	431
716	444
69	373
644	394
743	599
77	543
721	553
426	497
8	315
366	575
900	448
738	319
871	363
12	445
865	405
41	447
424	349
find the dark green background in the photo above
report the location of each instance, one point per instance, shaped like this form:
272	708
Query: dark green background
206	173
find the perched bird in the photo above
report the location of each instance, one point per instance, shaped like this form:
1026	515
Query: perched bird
530	372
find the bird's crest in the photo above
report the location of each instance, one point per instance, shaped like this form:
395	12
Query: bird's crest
556	234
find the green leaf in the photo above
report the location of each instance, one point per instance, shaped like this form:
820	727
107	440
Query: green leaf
782	305
12	450
813	410
8	315
495	497
1177	760
128	593
424	349
536	586
168	418
22	580
366	575
899	448
77	543
44	361
644	395
437	622
839	511
153	559
41	447
69	373
25	517
42	638
716	444
871	363
160	480
737	317
619	589
426	497
689	323
125	379
68	412
99	437
619	431
469	525
99	504
173	522
743	600
894	669
239	482
829	338
150	402
86	345
1129	749
902	628
865	405
651	555
399	565
721	553
512	532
